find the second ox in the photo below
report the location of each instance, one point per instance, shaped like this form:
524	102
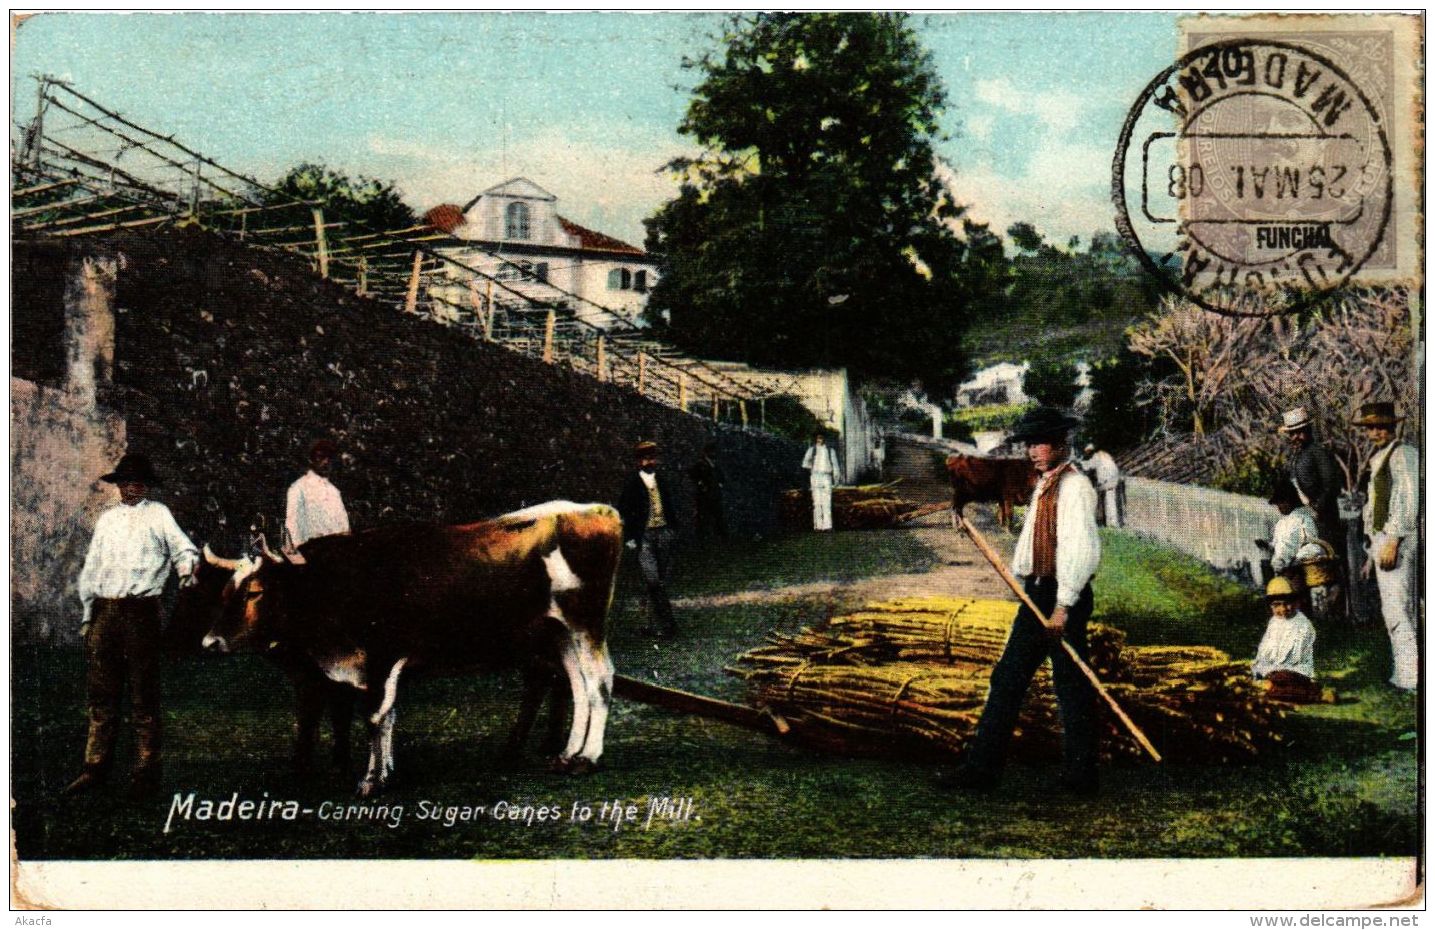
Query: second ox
1007	482
528	590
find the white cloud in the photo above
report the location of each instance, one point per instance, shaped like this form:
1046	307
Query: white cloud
1057	109
1059	184
1063	191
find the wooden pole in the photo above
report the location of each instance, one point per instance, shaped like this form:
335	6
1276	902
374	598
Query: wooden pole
488	320
742	409
548	336
683	702
321	242
762	411
477	302
986	550
411	303
683	391
363	276
716	410
602	374
642	372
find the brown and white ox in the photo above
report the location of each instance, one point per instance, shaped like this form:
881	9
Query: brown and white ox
1007	482
528	590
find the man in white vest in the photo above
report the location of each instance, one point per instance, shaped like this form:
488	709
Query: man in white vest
821	465
1392	524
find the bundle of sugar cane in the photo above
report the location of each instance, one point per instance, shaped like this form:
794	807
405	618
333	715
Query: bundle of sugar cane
1193	701
974	630
861	507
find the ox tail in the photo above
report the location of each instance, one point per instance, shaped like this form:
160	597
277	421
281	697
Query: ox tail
391	692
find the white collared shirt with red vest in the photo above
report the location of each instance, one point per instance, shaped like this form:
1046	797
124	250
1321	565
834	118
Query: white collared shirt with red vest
1078	545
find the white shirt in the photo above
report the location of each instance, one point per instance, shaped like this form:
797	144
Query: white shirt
1078	545
1292	532
1106	472
820	460
1404	517
650	479
314	508
131	553
1289	645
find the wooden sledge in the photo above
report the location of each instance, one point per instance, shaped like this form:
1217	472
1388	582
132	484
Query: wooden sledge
684	702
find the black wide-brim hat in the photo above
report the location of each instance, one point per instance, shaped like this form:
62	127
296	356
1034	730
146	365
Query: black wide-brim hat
1043	423
133	466
1380	413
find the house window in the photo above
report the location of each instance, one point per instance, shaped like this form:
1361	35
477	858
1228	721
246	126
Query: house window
512	271
620	279
640	281
541	272
517	221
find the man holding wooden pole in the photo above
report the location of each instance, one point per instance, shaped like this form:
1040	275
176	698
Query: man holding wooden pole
1056	556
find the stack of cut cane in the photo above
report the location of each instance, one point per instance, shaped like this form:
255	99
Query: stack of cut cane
866	506
909	678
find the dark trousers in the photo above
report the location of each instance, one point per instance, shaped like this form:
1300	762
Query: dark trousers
655	561
710	521
122	647
1028	646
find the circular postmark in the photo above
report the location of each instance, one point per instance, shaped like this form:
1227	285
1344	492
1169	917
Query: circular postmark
1253	176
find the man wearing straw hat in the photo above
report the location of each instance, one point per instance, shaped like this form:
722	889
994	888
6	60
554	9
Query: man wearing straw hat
1056	556
136	543
1392	522
1315	474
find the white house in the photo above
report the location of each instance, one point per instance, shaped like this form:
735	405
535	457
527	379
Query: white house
517	235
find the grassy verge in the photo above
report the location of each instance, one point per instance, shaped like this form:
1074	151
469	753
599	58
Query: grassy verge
1345	782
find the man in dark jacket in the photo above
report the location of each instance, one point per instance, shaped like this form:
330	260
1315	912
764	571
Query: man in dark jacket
650	523
707	479
1316	476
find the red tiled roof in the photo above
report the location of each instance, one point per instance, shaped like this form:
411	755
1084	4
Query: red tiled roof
590	239
445	217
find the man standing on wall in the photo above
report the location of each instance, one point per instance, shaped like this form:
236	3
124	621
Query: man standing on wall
1392	524
650	527
821	465
136	543
1056	556
313	506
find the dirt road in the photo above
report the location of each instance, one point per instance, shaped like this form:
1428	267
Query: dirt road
960	570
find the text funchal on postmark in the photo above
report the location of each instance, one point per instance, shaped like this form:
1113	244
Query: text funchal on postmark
1256	173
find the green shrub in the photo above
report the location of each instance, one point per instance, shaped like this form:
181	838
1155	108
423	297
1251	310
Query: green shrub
1254	473
987	417
787	417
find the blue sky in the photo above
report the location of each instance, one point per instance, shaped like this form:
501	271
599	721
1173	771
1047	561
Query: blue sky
586	105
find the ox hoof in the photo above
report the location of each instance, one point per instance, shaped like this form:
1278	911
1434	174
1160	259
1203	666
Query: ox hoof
576	765
369	788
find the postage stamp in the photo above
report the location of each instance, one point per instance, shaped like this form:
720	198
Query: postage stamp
698	460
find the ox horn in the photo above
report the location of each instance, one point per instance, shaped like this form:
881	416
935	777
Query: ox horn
269	554
228	565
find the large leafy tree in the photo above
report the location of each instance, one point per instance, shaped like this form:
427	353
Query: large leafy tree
359	200
812	229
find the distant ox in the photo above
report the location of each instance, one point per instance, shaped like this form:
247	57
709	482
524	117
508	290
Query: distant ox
529	590
1007	482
